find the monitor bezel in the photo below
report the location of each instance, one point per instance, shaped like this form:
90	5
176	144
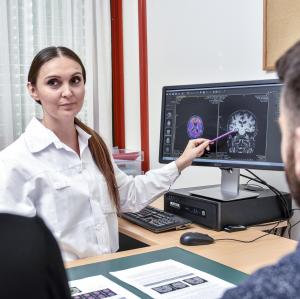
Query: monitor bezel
209	163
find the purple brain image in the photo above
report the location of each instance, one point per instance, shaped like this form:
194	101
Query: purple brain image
195	127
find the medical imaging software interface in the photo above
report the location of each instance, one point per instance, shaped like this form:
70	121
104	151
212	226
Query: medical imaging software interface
250	112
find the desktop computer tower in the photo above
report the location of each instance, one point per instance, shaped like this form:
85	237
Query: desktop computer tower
216	214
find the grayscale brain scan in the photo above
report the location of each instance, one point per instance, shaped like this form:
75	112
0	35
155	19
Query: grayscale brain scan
245	124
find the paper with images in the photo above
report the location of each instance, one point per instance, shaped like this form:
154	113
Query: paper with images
98	287
172	279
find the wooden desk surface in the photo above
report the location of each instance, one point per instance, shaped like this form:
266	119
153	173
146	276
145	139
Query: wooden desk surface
246	257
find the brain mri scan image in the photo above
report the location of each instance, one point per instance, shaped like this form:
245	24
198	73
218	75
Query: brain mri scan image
241	120
195	127
244	122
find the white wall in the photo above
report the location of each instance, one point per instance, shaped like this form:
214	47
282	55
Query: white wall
199	41
131	74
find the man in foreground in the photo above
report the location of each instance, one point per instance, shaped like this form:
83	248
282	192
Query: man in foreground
282	280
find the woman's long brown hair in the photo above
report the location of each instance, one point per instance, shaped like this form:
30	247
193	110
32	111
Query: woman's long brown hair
97	146
102	159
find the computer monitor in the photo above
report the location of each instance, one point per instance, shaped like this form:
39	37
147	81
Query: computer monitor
248	110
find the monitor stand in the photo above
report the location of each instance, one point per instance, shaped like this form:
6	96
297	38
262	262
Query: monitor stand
229	189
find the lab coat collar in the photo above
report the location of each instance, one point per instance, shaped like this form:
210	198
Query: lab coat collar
38	137
83	139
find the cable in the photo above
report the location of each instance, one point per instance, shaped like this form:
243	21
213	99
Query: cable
253	240
277	193
259	188
294	224
270	223
274	190
287	211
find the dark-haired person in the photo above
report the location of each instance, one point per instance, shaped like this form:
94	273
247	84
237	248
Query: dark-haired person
62	170
31	265
282	280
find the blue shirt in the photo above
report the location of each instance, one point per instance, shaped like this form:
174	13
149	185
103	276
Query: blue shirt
279	281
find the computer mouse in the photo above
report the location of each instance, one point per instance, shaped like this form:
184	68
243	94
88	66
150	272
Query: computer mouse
195	238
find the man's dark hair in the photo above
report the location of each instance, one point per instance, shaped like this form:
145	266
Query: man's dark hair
288	69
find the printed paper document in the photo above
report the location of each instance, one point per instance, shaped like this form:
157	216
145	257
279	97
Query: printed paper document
172	279
98	287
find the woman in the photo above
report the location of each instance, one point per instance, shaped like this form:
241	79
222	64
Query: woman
62	170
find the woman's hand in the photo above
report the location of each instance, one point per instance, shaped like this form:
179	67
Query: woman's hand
195	148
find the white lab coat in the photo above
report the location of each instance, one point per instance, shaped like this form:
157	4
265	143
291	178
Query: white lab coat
41	175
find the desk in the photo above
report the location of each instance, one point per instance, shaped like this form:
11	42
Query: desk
243	257
173	253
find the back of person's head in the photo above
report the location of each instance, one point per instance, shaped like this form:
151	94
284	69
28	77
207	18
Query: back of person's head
31	264
288	69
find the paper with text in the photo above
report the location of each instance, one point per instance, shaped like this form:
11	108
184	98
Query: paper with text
98	287
174	280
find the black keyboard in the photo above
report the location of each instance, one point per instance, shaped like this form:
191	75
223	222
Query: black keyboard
157	220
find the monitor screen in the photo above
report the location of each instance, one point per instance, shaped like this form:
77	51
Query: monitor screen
247	111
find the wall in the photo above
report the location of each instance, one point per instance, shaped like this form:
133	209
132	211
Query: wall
131	74
197	41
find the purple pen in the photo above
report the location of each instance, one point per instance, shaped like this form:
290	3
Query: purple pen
223	135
